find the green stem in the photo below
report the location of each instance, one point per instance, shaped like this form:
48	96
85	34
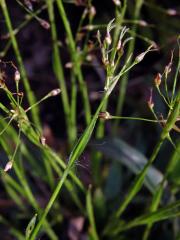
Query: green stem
135	188
158	194
101	125
90	211
78	149
58	69
30	95
26	189
124	80
136	118
76	61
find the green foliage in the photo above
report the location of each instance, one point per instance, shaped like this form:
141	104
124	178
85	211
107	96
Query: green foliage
32	170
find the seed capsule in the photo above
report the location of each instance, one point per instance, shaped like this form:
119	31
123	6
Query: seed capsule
157	80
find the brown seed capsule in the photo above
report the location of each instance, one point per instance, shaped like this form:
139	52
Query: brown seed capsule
157	79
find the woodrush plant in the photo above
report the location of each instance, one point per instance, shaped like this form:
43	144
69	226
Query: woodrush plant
20	116
111	82
113	49
173	103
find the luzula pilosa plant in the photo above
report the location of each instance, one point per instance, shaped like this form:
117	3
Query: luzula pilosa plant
112	79
111	58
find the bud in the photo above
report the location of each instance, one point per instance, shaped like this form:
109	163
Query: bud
112	64
140	57
104	115
28	4
69	65
20	94
167	70
44	24
117	2
143	23
8	166
150	104
89	58
157	79
17	76
108	38
88	27
55	92
43	140
171	12
119	45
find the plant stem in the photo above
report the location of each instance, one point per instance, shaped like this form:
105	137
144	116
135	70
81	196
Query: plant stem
101	125
134	189
158	194
90	211
76	152
30	95
76	61
124	80
58	69
78	149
